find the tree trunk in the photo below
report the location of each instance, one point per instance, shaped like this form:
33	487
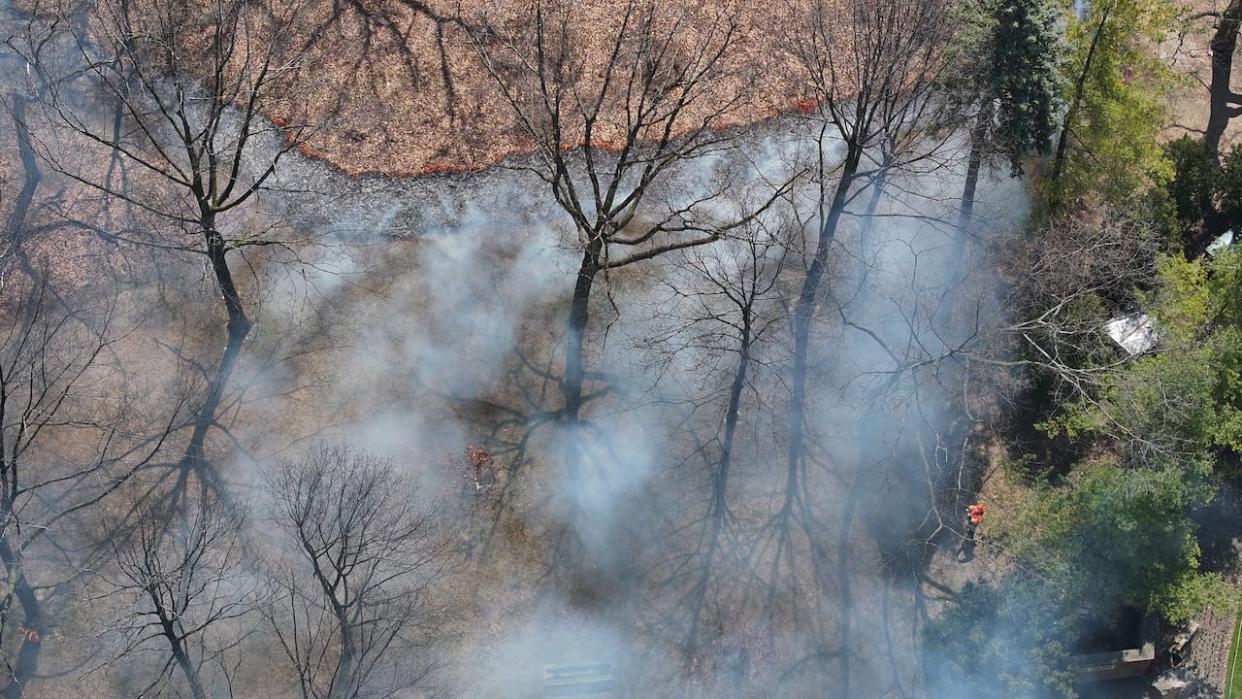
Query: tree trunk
32	612
1223	104
804	313
867	249
845	596
183	659
864	428
719	507
568	548
343	682
974	165
978	136
32	176
579	314
1058	164
237	329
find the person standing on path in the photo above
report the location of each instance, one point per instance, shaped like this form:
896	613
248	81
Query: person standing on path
974	515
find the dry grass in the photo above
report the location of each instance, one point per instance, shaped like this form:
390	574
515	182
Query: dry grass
402	91
1190	57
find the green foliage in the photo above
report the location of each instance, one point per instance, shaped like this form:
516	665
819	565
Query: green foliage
1116	532
1188	397
1233	689
1009	640
1195	177
1182	301
1115	537
1117	96
1165	401
1007	65
1025	75
1074	420
1024	468
1083	257
1106	540
1182	402
1200	188
1229	186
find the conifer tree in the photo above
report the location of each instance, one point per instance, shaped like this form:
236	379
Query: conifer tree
1011	76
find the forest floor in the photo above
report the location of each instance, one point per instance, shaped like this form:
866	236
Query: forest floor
399	88
416	100
949	567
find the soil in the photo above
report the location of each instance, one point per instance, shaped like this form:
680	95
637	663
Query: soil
1191	58
948	568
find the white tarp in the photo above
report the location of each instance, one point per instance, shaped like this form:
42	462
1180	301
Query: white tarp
1222	242
1135	332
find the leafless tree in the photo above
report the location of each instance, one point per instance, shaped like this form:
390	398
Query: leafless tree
612	117
723	309
181	570
357	593
51	380
1072	264
17	225
870	67
1079	273
188	143
607	137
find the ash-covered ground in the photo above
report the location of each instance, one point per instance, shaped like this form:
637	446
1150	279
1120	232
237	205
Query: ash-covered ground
444	300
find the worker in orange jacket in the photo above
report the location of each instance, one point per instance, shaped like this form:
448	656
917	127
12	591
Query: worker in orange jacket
974	515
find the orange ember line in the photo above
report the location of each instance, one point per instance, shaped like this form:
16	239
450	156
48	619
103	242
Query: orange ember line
801	107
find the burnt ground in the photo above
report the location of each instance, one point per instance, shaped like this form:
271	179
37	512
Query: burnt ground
399	119
478	268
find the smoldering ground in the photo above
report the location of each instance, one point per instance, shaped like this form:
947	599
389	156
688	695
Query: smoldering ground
450	336
415	318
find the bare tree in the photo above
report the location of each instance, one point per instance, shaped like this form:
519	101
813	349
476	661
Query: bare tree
614	117
181	570
50	372
17	225
723	310
1223	103
366	557
1080	272
189	142
871	68
606	137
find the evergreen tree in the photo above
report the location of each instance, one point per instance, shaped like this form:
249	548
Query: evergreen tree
1010	74
1025	79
